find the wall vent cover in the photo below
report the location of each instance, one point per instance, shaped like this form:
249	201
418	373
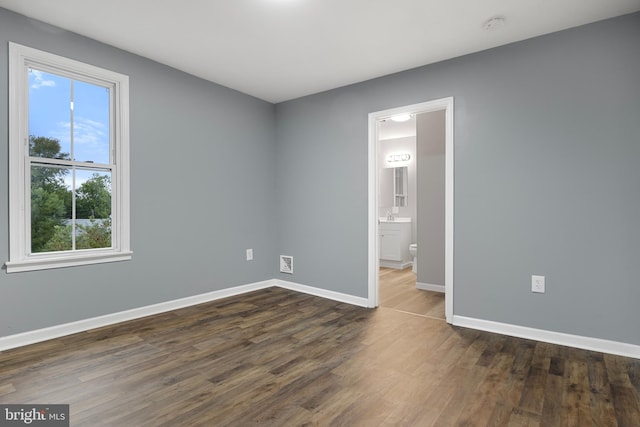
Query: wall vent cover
286	264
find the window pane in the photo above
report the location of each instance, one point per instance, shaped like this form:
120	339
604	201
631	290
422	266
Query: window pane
91	123
53	225
93	209
49	115
51	202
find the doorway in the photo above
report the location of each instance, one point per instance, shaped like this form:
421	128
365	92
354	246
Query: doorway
444	105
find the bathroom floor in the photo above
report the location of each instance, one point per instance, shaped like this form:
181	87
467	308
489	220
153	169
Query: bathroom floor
398	291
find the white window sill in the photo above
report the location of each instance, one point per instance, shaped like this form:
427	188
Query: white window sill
47	262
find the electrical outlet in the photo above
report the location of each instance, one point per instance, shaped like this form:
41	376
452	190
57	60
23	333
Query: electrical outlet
537	284
249	254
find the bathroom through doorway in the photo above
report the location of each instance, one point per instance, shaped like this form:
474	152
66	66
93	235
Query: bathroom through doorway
411	209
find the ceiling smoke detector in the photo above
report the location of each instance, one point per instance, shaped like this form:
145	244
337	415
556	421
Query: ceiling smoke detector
494	23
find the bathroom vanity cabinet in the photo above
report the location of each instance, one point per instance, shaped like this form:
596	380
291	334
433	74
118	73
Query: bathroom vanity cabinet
395	238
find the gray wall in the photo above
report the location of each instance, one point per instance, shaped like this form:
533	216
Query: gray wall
430	141
546	182
546	179
202	185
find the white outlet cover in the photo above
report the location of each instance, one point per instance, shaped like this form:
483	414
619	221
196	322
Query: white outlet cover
537	284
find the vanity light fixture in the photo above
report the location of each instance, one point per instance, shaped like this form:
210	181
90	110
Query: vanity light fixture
393	158
401	117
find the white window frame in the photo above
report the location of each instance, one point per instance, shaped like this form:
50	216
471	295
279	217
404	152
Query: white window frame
21	58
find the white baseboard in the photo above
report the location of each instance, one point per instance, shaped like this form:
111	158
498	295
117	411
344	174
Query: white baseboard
430	287
336	296
577	341
38	335
398	265
587	343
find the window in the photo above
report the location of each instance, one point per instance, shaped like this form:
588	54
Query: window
68	162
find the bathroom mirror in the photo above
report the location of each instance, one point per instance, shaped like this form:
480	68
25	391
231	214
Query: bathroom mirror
400	176
393	187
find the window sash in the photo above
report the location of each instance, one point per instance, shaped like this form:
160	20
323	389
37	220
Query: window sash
73	166
80	78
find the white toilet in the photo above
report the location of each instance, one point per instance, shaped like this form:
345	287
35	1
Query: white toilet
413	250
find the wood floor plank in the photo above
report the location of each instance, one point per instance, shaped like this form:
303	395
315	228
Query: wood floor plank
479	408
625	397
600	392
398	291
277	357
552	404
575	403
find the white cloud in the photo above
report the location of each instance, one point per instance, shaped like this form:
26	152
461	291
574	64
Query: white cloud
91	139
39	80
89	132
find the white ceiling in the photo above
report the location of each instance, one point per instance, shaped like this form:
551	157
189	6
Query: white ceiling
283	49
388	129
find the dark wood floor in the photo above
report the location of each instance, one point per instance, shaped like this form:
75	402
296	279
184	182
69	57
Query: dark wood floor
277	357
398	291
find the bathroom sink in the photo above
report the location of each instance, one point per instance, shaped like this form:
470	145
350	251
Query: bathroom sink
396	219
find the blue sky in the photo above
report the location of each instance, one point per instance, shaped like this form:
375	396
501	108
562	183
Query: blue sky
49	115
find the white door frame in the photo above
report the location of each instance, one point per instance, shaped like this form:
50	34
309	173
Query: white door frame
374	263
